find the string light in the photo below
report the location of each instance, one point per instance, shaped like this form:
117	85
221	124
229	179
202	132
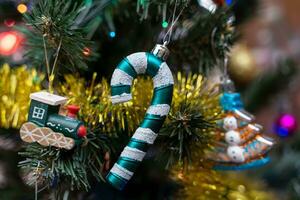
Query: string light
22	8
229	2
210	5
86	51
9	22
9	43
165	24
112	34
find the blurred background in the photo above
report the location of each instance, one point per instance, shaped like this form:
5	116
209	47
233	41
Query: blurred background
264	63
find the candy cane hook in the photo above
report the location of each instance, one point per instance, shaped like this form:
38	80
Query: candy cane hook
154	65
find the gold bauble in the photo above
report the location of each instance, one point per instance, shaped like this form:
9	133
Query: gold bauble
242	65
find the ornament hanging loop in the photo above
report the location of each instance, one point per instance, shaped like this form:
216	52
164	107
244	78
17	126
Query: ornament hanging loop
168	36
161	51
227	84
222	63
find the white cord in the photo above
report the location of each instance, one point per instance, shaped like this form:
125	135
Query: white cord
168	35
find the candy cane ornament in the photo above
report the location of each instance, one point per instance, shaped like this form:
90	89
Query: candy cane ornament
154	65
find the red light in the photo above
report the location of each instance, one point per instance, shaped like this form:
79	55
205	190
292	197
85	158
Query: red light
219	2
86	51
9	22
9	42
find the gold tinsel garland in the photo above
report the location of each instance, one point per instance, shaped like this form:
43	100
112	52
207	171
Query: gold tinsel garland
16	84
93	98
100	114
96	110
197	92
206	184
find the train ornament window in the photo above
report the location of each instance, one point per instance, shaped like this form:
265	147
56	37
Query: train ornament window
38	113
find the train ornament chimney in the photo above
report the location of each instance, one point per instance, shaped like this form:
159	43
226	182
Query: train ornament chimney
73	111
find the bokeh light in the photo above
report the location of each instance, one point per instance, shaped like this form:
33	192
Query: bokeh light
22	8
112	34
9	42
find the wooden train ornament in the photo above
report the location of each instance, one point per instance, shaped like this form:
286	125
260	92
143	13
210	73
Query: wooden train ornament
47	127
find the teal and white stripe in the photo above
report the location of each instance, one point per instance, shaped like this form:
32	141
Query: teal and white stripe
128	69
133	153
145	134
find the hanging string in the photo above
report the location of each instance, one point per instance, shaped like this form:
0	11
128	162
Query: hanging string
225	66
168	36
228	85
51	72
46	57
224	63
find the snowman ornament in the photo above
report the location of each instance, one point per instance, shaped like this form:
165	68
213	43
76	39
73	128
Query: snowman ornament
233	139
230	123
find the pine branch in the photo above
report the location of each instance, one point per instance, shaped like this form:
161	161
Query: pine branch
63	24
193	44
53	167
144	6
187	131
205	38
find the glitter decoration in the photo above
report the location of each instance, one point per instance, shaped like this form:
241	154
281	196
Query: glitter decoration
15	86
97	110
202	183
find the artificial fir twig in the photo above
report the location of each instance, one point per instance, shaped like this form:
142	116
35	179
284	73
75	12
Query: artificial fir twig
186	131
54	21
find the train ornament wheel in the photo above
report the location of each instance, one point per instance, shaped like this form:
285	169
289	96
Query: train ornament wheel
30	133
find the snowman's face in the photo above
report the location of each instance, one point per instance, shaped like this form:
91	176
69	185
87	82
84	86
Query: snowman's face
233	137
236	154
230	123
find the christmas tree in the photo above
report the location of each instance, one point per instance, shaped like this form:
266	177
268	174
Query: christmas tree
87	113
